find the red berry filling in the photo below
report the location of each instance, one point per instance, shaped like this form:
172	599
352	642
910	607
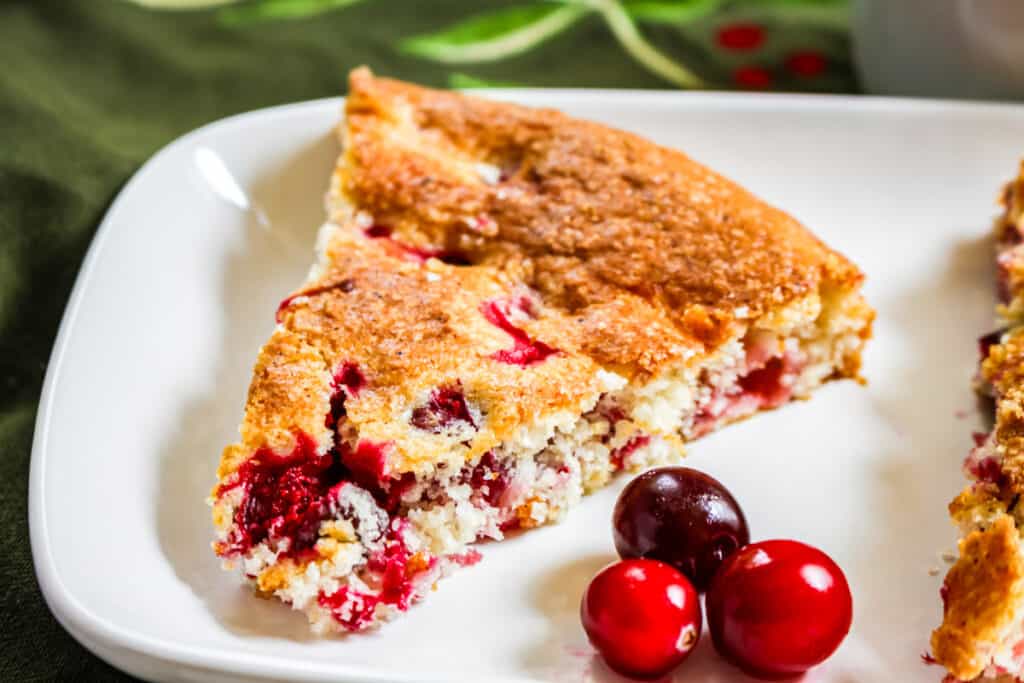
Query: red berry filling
988	470
524	351
983	463
348	380
411	253
286	497
351	608
619	455
767	383
346	285
490	477
446	408
392	572
468	558
367	463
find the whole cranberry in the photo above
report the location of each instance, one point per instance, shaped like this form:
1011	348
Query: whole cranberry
642	616
680	516
777	608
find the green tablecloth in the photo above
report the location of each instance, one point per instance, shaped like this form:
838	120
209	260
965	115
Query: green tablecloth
90	89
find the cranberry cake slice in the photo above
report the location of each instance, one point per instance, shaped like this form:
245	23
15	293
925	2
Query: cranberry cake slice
509	307
982	633
1010	250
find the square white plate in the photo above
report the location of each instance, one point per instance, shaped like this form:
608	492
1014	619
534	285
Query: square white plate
150	369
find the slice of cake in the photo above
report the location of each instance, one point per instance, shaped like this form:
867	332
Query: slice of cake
982	634
509	306
1010	250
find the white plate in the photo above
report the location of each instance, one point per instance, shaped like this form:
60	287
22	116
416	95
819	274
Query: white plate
150	369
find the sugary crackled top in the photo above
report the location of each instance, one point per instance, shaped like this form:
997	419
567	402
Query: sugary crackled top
561	248
587	215
426	357
983	591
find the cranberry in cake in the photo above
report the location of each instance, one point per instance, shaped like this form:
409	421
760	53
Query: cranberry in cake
509	307
982	633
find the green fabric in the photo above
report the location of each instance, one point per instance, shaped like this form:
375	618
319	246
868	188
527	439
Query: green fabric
90	89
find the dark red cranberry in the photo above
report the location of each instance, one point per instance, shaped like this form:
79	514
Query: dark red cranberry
350	377
490	478
680	516
988	470
986	342
347	381
445	408
642	616
778	608
765	382
285	497
378	231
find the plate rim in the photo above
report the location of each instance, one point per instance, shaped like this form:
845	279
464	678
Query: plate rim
121	647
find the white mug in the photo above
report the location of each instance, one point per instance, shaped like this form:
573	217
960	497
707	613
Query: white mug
940	48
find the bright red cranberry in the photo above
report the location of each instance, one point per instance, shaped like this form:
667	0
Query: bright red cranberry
682	517
524	351
642	616
778	608
367	463
445	408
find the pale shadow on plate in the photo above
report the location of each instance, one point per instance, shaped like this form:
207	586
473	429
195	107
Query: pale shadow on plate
917	480
270	260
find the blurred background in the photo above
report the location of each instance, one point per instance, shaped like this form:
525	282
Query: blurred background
90	89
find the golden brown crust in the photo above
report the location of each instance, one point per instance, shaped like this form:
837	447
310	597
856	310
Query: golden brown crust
409	328
982	593
1003	370
631	259
588	216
